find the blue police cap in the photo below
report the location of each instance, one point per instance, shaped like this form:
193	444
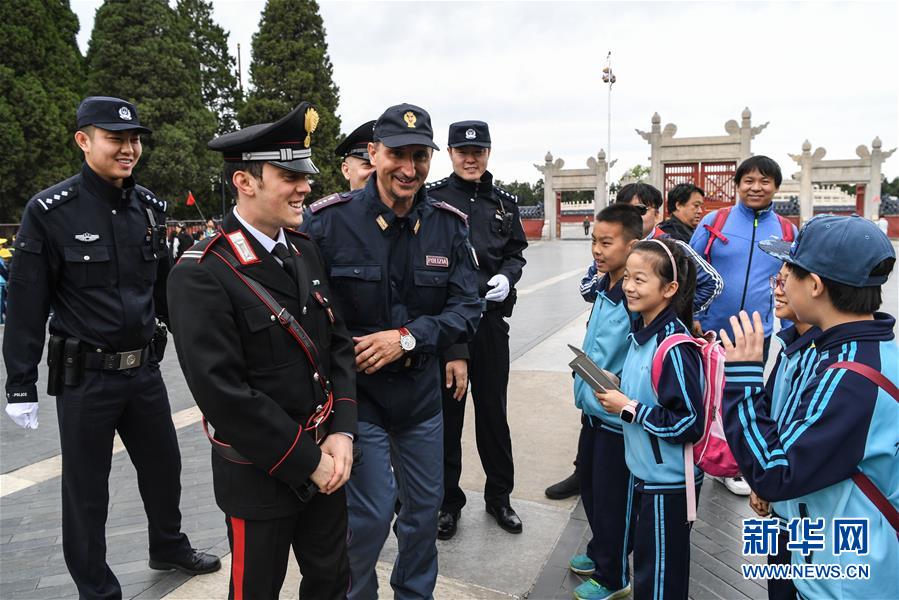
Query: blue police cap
286	143
405	125
356	144
111	114
469	133
842	249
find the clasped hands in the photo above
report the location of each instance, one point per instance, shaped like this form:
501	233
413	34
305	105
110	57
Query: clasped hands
336	463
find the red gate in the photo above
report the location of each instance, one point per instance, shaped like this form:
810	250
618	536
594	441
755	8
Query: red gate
715	178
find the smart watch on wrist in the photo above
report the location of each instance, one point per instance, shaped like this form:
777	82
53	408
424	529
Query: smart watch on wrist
629	412
407	341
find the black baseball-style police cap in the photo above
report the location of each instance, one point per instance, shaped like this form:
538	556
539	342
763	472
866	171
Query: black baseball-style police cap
286	143
356	144
111	114
469	133
405	125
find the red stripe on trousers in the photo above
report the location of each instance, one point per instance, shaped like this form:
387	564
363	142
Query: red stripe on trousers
238	534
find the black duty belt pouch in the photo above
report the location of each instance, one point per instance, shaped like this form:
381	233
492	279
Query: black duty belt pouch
55	349
73	362
159	341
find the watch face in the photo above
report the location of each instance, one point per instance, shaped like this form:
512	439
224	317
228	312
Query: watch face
627	415
407	342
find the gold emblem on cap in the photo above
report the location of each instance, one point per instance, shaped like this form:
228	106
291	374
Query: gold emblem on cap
311	123
410	119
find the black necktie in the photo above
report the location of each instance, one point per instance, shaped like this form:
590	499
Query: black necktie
285	256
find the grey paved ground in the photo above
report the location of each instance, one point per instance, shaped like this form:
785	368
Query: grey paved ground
31	563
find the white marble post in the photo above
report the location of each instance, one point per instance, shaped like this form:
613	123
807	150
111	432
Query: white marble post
872	190
746	134
601	193
549	196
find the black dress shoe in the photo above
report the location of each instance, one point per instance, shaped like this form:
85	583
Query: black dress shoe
568	487
505	518
195	563
447	522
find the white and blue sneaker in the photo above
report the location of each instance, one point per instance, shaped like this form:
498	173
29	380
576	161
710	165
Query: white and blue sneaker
592	590
581	564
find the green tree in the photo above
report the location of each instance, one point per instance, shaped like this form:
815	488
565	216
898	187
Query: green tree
291	64
41	83
218	69
637	173
141	50
529	194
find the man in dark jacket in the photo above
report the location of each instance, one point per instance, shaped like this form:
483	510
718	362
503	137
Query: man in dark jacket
685	202
270	364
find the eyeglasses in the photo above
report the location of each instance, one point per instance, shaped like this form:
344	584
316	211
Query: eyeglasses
777	282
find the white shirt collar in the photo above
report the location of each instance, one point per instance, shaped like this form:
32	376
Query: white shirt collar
267	242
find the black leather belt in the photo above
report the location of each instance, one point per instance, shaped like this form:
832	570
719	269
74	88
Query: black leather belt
116	361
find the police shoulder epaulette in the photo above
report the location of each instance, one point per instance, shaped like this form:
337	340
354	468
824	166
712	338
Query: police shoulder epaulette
147	197
452	209
504	194
329	201
198	251
58	194
436	184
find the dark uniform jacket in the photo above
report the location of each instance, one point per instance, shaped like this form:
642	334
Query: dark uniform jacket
251	379
83	247
387	272
677	229
494	226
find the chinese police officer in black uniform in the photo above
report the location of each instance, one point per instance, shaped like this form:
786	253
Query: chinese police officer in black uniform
270	364
356	166
498	237
404	278
93	247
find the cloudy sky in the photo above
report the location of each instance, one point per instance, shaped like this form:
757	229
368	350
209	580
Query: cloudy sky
823	71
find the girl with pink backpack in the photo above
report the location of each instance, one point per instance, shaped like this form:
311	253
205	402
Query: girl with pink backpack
663	418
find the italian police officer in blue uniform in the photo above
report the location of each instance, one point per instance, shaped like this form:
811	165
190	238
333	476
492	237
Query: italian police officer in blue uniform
271	365
498	238
93	247
403	276
356	166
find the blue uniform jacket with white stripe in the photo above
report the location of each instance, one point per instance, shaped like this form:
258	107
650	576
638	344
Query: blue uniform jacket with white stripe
606	343
654	442
839	423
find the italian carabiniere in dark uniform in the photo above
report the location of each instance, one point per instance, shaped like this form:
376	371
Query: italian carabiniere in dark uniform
96	253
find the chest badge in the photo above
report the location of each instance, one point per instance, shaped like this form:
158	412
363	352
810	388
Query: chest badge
382	222
437	261
242	248
87	237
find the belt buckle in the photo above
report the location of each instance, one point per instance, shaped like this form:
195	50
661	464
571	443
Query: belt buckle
129	360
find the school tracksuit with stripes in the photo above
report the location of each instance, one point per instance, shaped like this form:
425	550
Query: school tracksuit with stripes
654	451
607	487
792	371
804	454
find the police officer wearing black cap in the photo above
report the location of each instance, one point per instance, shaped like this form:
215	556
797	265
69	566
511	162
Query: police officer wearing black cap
93	247
270	364
404	277
356	166
498	237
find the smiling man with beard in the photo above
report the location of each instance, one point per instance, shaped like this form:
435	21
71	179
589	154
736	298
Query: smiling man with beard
404	278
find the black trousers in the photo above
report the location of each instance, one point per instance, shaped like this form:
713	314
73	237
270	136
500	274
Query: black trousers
662	546
318	535
134	403
607	492
488	372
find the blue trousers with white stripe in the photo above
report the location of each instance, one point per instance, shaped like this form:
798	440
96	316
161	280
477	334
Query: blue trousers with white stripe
607	491
662	546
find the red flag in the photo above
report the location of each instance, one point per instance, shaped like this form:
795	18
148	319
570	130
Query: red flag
190	199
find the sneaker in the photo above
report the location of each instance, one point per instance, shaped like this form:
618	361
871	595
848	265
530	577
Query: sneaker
737	485
581	564
591	590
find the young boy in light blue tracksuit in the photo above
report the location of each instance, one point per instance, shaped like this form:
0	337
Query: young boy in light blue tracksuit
842	423
659	284
606	484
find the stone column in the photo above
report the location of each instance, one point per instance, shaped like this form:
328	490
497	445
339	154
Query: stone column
549	197
601	193
656	171
806	209
745	134
872	190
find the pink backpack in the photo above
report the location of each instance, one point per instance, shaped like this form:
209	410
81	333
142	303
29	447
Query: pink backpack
711	453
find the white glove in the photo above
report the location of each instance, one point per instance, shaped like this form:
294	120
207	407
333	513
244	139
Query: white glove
500	285
23	413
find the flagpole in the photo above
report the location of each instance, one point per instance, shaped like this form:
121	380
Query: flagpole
195	203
